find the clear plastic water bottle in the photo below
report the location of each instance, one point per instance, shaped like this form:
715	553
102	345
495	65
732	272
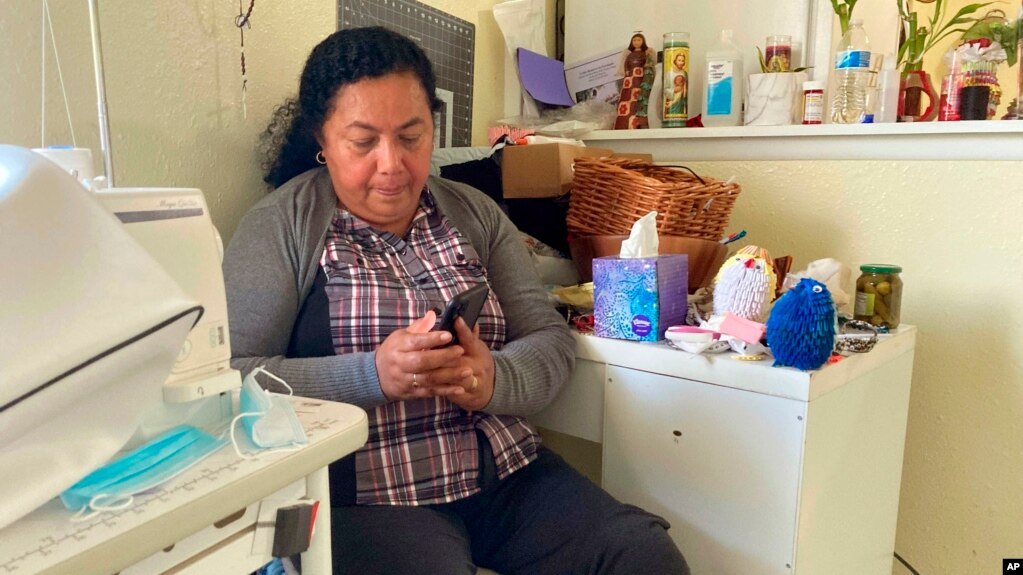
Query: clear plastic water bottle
852	67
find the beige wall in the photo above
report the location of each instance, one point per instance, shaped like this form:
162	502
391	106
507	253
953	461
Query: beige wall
173	85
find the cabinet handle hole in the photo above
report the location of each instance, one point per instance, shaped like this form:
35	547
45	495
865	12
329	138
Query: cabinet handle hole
677	433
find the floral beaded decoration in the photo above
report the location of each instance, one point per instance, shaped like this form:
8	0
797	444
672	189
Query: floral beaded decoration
242	22
801	328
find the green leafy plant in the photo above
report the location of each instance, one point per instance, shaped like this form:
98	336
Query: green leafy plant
915	39
770	67
844	11
995	28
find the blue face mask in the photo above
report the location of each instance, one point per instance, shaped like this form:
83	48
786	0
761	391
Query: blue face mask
113	486
269	419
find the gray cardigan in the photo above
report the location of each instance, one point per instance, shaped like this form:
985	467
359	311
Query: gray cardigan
271	263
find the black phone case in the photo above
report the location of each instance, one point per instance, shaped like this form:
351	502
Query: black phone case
467	305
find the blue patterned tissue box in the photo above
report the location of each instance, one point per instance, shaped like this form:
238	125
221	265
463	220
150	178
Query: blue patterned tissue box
639	298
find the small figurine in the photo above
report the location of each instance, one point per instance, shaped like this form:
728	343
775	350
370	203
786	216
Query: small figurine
634	102
801	329
745	285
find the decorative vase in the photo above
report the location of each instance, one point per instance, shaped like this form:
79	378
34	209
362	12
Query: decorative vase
914	84
772	99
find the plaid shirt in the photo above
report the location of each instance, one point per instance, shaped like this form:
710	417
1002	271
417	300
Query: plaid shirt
421	451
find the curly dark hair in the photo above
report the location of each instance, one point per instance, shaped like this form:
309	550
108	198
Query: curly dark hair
289	143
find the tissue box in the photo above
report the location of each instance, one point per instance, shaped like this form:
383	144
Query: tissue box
639	298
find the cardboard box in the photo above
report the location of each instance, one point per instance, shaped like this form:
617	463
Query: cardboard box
545	170
639	298
541	170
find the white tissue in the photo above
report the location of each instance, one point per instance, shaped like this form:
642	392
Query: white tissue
642	240
835	275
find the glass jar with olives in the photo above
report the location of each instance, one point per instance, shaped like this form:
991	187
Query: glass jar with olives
879	295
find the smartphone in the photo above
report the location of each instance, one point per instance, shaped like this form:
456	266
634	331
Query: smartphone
466	305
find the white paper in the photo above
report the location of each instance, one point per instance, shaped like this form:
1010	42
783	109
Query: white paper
522	25
596	78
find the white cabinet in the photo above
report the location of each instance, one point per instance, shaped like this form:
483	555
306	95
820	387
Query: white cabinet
759	469
722	465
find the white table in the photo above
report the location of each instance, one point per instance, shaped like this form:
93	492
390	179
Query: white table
202	521
759	469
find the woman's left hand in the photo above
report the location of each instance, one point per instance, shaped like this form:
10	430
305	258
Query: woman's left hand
479	383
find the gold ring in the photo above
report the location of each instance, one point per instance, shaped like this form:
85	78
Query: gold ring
475	384
415	383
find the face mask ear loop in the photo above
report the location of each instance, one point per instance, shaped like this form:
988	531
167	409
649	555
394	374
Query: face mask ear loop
280	449
94	507
277	379
234	442
84	514
238	451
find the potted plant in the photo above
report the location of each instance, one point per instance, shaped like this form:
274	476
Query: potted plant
916	38
995	28
772	96
844	11
999	41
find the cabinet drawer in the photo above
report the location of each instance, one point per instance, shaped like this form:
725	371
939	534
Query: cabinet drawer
224	547
720	464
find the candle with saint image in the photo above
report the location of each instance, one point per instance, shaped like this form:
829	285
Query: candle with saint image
778	53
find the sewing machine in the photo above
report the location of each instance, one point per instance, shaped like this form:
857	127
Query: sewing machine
103	337
117	327
174	226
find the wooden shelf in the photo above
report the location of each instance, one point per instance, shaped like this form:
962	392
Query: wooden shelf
981	140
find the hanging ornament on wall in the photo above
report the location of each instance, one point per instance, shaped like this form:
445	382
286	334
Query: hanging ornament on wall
242	22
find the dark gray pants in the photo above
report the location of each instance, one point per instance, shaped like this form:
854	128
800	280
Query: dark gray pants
544	519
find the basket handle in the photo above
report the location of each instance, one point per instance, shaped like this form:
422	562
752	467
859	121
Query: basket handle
706	206
686	168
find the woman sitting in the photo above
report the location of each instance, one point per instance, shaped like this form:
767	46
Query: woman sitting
332	283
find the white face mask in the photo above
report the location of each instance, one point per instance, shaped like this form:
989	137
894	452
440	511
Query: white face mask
269	419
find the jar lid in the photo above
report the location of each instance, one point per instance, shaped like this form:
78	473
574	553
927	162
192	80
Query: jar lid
813	85
881	268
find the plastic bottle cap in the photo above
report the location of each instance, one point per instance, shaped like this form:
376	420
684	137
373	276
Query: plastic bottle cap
855	22
813	85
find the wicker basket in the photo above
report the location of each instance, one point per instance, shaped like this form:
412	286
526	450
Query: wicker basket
609	195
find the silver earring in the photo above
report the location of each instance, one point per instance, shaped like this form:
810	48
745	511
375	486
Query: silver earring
320	159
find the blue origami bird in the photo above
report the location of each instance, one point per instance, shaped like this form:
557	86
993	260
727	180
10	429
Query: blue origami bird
801	328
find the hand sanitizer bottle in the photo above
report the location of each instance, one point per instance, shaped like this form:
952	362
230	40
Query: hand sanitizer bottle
722	98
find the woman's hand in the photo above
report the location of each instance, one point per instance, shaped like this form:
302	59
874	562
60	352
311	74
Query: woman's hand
413	362
478	376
